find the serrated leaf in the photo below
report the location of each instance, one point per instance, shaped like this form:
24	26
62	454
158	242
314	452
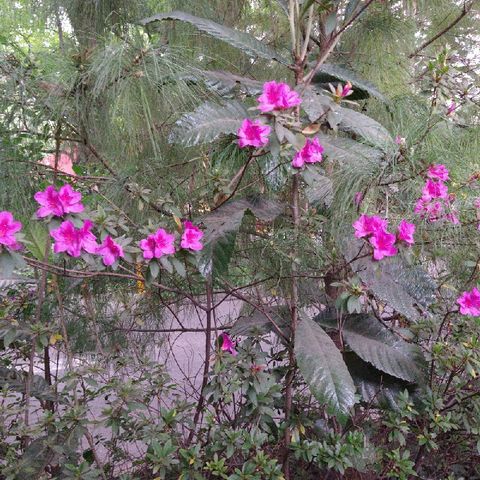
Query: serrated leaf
257	323
241	40
222	226
315	103
362	125
323	368
332	73
376	387
226	83
207	123
377	345
348	151
319	188
405	288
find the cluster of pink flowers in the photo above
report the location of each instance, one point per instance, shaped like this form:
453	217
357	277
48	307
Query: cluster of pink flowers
470	302
279	96
275	96
9	227
374	229
58	203
74	241
162	243
310	153
436	203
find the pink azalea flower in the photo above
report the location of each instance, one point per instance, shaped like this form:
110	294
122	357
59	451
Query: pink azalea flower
383	245
310	153
366	225
70	199
346	90
159	244
405	232
476	203
110	250
470	303
49	202
277	96
453	218
400	140
253	134
8	228
86	238
73	240
434	190
191	237
227	344
66	200
438	172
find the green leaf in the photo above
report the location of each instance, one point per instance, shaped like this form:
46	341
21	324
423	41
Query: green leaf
226	83
222	226
323	368
332	73
315	103
369	129
207	123
377	345
16	380
376	387
407	289
14	280
319	188
241	40
257	323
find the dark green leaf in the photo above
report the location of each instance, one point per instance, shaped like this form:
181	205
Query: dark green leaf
241	40
407	289
315	103
319	188
359	124
256	323
323	368
226	83
331	73
16	380
221	227
208	122
375	387
376	344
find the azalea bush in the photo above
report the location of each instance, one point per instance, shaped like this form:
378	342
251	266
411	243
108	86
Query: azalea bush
349	241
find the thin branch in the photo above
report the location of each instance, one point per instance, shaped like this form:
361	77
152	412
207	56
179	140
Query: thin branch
466	9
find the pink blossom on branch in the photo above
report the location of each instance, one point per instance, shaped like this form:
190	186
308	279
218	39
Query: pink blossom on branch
383	244
366	225
110	250
73	240
438	172
400	140
433	190
405	232
191	237
8	228
158	244
227	344
470	303
253	134
310	153
277	96
51	202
